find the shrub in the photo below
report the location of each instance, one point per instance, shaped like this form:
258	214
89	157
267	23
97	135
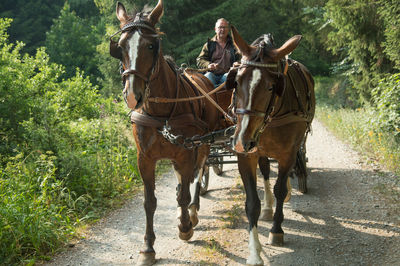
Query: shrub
386	100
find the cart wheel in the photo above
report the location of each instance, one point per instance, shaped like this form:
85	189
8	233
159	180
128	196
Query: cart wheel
301	170
204	180
217	166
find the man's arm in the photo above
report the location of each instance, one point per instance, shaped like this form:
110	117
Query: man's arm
202	59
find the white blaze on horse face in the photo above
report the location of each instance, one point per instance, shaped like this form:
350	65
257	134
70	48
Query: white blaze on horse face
255	79
133	55
254	248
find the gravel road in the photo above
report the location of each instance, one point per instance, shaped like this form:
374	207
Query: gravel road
350	216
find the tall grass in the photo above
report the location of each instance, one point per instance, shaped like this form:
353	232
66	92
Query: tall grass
354	125
42	204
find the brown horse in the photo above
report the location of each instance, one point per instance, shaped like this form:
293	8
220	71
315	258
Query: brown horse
275	104
154	89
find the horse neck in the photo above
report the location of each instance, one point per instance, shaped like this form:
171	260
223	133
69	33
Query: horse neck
166	84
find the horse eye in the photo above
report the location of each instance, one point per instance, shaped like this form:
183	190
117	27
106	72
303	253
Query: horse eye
150	46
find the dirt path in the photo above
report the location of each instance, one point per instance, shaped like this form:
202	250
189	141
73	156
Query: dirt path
343	220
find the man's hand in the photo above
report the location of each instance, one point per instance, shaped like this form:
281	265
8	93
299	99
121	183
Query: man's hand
212	66
236	64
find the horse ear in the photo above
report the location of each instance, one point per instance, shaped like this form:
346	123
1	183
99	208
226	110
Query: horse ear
157	13
286	48
240	43
121	13
115	51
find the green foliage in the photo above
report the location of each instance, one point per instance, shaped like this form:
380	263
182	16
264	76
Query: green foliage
33	220
358	35
331	91
31	20
390	13
386	100
72	42
353	127
66	153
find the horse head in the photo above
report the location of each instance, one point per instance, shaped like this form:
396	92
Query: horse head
138	48
258	83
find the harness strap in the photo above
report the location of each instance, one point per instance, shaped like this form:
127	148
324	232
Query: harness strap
136	73
172	100
179	121
208	97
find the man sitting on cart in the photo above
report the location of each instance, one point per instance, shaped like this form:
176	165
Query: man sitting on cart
218	54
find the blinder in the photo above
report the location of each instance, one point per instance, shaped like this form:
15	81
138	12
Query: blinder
115	50
230	83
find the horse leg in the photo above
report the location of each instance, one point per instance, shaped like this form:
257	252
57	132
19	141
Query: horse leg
147	172
247	168
280	191
195	203
266	210
185	175
289	193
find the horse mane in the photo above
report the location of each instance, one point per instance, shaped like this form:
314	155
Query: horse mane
171	61
172	64
265	41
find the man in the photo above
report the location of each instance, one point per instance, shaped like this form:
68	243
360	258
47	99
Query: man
218	54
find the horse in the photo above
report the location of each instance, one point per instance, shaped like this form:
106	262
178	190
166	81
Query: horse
165	103
274	103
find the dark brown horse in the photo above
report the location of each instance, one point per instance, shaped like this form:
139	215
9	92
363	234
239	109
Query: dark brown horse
154	89
274	103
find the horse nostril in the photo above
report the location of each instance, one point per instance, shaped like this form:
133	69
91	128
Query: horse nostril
249	145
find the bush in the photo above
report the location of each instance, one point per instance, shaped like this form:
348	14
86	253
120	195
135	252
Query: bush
386	100
332	91
66	154
33	220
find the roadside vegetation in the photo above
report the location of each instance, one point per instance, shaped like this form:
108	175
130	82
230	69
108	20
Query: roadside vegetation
372	130
66	148
66	154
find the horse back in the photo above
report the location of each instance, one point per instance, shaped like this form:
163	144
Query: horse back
298	100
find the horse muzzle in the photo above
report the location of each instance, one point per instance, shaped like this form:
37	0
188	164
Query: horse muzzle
133	100
240	145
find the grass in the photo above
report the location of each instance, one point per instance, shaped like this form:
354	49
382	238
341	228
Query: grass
43	206
354	126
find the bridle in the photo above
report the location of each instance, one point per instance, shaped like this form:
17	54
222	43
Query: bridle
139	25
267	115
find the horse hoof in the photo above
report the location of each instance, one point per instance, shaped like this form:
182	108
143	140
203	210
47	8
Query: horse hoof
186	235
193	215
267	215
146	259
255	264
275	239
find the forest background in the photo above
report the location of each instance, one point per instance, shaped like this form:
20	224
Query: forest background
66	151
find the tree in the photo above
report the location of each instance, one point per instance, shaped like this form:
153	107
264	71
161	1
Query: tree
390	12
72	42
31	20
358	37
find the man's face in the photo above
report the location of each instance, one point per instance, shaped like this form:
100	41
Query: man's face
222	29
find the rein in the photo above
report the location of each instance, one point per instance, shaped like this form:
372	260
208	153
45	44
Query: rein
205	94
173	100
